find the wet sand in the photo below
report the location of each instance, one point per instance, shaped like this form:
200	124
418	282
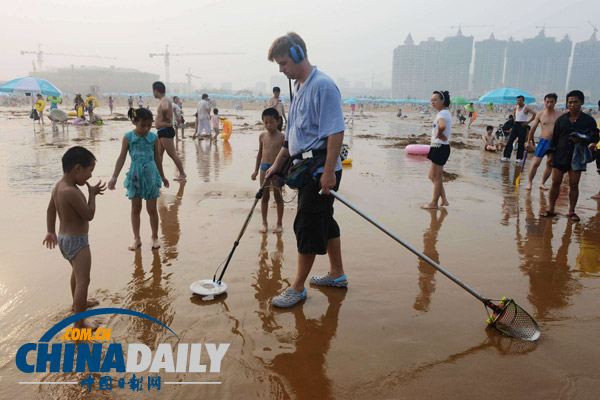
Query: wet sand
400	331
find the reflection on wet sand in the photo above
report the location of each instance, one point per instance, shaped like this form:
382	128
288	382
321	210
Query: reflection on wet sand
588	236
426	271
268	282
304	368
168	210
227	153
149	292
395	380
207	157
509	202
551	283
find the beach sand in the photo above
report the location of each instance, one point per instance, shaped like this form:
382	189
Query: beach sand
401	329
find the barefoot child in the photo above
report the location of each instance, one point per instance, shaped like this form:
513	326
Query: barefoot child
269	145
41	104
215	122
143	180
74	214
440	147
490	143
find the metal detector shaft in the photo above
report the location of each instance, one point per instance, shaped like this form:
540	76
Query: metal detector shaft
237	241
413	250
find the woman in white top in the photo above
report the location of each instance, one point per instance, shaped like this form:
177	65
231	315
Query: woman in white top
440	147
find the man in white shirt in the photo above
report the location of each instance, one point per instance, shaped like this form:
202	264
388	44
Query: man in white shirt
203	117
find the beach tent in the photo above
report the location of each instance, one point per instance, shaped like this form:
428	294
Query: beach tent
506	96
30	85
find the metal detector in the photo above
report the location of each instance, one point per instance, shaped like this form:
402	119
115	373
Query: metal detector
214	286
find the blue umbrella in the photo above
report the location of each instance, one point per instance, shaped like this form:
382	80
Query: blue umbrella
506	96
350	101
32	85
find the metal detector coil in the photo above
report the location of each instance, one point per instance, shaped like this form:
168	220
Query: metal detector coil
208	287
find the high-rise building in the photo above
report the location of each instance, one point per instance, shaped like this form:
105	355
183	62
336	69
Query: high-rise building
418	70
456	64
85	79
585	71
488	69
407	69
538	65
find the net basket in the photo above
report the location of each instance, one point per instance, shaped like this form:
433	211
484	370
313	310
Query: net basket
513	321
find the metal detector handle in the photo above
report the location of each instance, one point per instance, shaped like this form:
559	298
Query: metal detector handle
237	241
257	197
409	247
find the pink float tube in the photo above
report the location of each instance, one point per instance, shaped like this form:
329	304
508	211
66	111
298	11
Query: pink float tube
418	149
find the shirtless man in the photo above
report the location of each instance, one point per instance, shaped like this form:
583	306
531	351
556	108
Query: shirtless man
164	127
547	118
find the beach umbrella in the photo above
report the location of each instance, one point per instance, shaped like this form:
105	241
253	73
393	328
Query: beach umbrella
459	100
58	115
350	101
31	85
506	96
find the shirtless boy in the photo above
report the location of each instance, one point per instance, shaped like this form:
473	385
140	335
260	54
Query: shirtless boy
74	214
164	127
269	145
547	118
490	143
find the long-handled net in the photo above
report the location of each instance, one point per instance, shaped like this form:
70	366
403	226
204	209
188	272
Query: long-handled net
506	316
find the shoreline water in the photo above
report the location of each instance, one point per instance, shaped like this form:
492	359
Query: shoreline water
401	330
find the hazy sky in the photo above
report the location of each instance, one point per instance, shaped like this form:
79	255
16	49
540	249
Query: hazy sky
351	39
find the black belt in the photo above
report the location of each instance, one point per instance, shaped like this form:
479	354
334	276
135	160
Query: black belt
315	154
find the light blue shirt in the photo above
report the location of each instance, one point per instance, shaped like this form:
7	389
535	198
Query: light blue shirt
314	115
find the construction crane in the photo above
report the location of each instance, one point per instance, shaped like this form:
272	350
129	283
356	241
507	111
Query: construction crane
167	55
189	77
544	27
555	27
470	26
40	56
595	29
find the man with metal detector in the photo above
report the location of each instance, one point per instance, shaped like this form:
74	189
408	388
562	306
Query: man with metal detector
314	136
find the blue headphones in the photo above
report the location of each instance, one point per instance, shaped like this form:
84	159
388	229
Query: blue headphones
295	51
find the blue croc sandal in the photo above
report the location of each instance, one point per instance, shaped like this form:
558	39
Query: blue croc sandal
326	280
289	298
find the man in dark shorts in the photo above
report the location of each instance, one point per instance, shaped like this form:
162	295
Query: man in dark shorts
570	129
164	127
315	130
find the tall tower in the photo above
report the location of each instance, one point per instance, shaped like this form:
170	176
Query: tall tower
407	69
538	65
585	71
489	65
457	62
